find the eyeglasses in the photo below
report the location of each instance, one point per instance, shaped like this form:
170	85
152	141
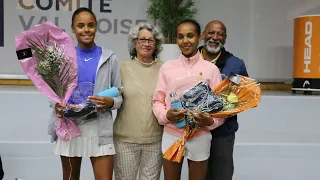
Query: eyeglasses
142	41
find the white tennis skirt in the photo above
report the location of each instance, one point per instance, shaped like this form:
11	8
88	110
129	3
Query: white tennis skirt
85	145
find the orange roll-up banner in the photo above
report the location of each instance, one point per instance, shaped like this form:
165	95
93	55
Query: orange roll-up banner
306	53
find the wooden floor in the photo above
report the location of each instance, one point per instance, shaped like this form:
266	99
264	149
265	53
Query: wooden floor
264	86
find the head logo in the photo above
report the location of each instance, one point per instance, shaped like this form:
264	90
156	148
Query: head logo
1	23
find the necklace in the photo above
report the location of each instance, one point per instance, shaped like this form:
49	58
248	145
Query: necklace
146	64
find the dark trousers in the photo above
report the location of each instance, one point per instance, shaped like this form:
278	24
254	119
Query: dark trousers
220	162
1	169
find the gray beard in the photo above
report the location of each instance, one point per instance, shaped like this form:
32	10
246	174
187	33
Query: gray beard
213	50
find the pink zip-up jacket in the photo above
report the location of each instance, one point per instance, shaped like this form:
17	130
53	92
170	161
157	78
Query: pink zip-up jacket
177	76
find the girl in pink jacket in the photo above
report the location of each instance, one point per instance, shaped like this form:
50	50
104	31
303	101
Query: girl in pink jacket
174	75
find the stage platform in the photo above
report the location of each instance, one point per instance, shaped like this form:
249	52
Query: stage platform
278	140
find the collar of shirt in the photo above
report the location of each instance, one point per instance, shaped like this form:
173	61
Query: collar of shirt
214	60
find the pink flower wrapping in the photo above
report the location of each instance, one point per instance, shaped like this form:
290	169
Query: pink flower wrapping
48	56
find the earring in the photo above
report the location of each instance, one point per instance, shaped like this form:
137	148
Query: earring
96	36
73	36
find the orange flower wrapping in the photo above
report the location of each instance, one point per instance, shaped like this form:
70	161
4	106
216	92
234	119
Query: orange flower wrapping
176	151
248	95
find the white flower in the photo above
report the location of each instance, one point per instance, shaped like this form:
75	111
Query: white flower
45	65
50	49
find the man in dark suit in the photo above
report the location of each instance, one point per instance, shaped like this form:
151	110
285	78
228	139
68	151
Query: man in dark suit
220	163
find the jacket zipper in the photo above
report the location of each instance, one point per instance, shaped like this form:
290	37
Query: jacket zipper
189	71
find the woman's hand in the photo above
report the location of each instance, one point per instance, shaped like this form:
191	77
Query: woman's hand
176	115
101	101
202	119
58	109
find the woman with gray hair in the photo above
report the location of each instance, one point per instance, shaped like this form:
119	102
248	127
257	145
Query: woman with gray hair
137	133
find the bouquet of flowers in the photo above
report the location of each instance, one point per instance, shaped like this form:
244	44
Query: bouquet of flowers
232	96
237	93
47	55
